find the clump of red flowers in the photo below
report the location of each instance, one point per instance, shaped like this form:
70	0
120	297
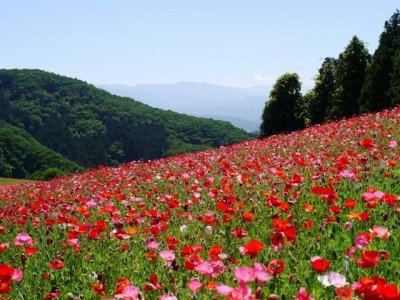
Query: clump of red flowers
375	288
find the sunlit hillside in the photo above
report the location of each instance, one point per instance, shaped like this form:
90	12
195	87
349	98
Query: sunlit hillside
309	215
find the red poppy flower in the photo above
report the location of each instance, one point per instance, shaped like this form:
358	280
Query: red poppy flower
253	247
277	240
364	216
248	217
215	250
98	288
307	224
319	264
366	143
5	287
211	285
192	261
369	259
276	266
152	256
344	293
376	288
238	233
100	226
173	203
172	242
6	272
121	284
335	209
56	264
153	283
30	251
350	203
308	207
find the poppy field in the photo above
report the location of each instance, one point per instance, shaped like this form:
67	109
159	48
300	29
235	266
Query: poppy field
309	215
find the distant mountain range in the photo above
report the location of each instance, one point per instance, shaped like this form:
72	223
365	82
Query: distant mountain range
240	106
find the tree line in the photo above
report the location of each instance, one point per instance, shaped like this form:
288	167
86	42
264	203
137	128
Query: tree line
354	83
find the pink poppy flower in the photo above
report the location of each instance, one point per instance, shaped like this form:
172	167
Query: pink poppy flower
167	255
379	195
302	295
22	239
347	174
243	292
244	274
169	296
368	196
194	285
361	241
210	269
380	232
333	278
129	293
17	275
223	289
153	245
262	274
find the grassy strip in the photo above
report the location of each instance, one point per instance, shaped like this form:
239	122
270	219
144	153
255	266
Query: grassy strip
12	181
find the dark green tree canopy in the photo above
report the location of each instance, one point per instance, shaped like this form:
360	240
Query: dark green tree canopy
394	91
375	94
350	76
320	101
283	109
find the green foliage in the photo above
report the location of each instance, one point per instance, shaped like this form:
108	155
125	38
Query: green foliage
47	174
320	100
394	90
375	94
283	110
92	127
349	79
21	155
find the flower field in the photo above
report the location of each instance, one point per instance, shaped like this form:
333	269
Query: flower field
309	215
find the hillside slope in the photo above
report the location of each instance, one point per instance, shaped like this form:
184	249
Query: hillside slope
309	215
22	155
91	127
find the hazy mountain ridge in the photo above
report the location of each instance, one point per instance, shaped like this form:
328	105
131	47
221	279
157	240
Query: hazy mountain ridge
242	106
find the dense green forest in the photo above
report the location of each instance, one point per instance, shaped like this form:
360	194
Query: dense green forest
90	126
21	155
356	82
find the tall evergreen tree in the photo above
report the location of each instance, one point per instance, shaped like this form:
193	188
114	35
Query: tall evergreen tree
282	112
394	91
350	76
320	101
375	93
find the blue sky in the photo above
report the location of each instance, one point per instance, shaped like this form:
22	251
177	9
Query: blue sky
227	42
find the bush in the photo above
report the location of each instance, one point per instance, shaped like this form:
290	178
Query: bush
47	174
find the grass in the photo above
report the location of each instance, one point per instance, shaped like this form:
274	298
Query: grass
13	181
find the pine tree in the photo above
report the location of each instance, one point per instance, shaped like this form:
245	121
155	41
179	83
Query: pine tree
375	94
320	101
394	90
350	76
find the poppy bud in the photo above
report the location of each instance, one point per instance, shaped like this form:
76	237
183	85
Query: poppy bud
23	259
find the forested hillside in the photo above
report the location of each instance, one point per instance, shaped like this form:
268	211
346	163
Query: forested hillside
91	126
23	156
